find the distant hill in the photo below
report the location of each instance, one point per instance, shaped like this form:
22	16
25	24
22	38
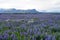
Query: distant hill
18	11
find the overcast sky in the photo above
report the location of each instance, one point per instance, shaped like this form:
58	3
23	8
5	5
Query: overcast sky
30	4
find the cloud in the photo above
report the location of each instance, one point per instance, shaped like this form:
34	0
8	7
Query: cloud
30	4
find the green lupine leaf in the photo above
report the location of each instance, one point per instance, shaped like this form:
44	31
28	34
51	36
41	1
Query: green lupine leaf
18	35
9	38
22	37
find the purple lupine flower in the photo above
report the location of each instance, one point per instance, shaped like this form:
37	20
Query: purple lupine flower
1	37
5	36
53	37
48	37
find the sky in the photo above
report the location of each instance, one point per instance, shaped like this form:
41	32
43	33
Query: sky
30	4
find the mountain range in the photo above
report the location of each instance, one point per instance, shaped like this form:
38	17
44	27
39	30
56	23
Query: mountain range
13	10
18	11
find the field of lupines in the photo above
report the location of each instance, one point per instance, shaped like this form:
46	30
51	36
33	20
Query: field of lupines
29	27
